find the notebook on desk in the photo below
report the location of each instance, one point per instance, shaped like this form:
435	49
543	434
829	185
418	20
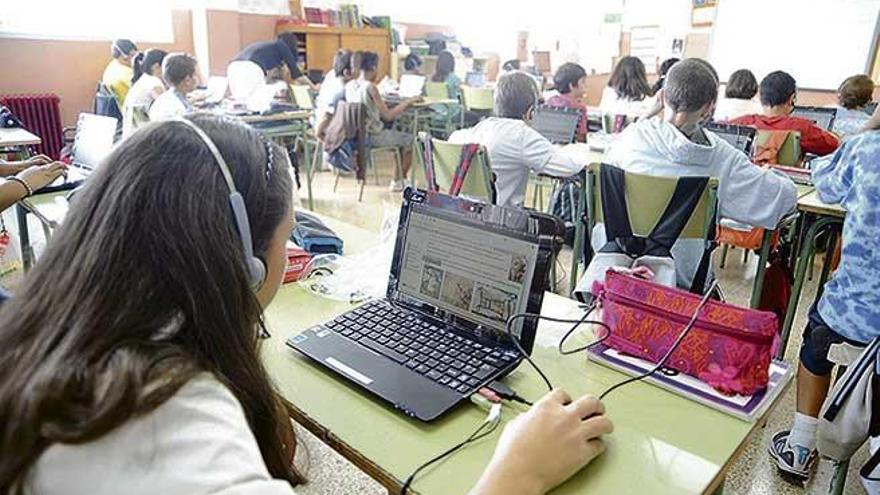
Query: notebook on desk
460	270
821	116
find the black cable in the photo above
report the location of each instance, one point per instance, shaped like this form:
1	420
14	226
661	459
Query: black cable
477	435
672	349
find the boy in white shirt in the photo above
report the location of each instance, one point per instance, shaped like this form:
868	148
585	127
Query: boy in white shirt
677	146
514	148
179	71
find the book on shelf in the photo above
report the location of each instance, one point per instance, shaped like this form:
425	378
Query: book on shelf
746	408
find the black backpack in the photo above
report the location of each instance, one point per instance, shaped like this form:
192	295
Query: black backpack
563	203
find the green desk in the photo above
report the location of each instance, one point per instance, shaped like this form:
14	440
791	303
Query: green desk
662	444
819	216
293	124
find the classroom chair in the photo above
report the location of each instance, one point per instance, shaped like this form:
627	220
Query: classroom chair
479	183
616	123
648	196
789	154
436	90
107	105
476	100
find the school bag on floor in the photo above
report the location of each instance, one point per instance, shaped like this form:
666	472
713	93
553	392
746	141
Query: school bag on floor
314	236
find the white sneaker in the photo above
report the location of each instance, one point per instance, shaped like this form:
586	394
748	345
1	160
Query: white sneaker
795	460
397	185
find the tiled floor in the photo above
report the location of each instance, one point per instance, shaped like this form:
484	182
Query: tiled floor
751	474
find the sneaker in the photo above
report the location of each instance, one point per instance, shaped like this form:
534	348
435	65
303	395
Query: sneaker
396	186
792	459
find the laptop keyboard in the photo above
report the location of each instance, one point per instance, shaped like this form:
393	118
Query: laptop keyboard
438	354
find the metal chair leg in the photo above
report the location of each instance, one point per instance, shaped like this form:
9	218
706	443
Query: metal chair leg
724	249
745	256
361	193
336	181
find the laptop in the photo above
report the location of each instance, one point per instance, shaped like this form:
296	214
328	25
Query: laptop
557	124
821	116
411	85
460	270
739	136
475	79
92	143
217	87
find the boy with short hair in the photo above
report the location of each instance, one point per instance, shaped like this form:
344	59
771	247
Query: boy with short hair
178	71
778	97
570	81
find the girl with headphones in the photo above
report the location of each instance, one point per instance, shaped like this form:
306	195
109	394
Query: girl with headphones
131	352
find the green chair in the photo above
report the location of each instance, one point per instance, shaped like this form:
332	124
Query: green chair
479	183
436	91
646	197
790	153
476	99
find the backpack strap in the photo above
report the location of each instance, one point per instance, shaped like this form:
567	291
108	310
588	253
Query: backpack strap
428	162
468	151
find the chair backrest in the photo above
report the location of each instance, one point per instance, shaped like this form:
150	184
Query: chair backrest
477	98
94	139
479	183
436	90
647	197
106	103
302	96
789	153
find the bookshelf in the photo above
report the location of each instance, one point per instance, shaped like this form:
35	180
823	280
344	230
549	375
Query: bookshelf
318	44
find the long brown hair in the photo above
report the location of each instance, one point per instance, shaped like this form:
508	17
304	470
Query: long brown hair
630	80
143	287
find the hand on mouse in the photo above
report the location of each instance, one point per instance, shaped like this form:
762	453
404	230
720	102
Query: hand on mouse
546	445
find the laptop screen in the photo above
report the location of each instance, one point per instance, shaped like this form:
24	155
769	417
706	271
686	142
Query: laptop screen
822	117
740	137
558	125
469	270
411	85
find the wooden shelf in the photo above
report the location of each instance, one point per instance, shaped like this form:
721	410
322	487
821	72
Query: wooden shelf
367	31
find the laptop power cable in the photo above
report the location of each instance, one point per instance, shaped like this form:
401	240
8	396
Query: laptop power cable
486	428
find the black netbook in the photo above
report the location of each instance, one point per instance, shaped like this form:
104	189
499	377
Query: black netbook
460	270
821	116
739	136
558	124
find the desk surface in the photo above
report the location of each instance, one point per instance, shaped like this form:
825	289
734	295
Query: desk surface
811	203
18	137
277	117
663	444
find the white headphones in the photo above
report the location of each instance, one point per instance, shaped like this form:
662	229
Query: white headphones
255	266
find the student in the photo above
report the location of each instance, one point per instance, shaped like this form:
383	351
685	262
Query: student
849	309
365	92
147	86
676	146
514	148
264	62
412	65
664	70
445	73
152	381
179	71
778	96
570	81
853	94
32	178
739	97
628	92
512	65
118	73
332	92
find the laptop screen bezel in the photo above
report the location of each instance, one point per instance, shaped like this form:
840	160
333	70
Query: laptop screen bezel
562	111
542	230
798	110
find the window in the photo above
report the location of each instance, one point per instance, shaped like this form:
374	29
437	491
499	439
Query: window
141	21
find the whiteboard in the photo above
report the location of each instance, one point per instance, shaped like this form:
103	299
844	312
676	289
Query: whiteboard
819	42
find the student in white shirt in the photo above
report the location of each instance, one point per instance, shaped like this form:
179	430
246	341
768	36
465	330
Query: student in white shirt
147	86
131	352
739	97
628	92
854	93
677	145
515	148
332	91
179	71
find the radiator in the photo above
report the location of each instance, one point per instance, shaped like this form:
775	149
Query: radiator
41	115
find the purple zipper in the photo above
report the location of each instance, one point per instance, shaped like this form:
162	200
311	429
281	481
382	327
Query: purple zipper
715	327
